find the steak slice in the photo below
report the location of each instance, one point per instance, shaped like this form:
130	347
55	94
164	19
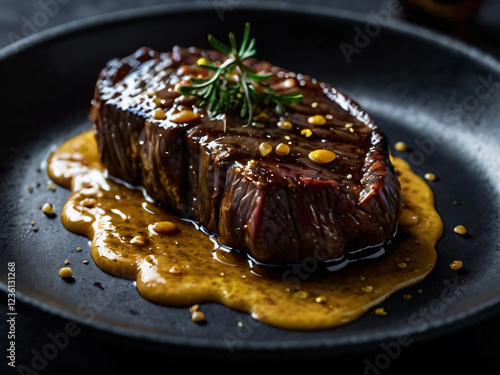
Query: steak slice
280	208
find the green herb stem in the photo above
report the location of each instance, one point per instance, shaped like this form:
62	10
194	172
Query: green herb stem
219	95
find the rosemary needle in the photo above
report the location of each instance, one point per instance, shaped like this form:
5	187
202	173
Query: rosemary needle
223	92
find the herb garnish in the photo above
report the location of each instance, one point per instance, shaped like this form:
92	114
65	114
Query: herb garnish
234	85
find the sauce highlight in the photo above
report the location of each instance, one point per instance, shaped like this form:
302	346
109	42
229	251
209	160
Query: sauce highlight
187	267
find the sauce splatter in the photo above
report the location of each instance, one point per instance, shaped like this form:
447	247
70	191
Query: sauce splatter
186	267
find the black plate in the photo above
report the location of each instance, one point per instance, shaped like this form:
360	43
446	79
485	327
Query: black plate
420	87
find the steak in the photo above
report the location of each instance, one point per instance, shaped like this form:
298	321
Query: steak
281	208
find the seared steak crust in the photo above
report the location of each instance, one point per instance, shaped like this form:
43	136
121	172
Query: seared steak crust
281	209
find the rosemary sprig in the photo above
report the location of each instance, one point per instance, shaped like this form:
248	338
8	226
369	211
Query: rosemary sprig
234	85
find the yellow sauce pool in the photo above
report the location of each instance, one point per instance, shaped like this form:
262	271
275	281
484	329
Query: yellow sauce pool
187	267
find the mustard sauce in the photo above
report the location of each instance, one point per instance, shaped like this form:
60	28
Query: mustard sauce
187	266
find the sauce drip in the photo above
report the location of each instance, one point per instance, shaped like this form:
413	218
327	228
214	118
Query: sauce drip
188	267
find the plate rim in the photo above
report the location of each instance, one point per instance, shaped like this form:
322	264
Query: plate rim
456	322
67	28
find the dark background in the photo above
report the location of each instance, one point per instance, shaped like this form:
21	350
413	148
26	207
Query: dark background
475	349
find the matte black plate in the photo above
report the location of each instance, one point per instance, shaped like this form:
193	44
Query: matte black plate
420	87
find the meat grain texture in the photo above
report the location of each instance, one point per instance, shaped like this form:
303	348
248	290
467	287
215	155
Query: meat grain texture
280	208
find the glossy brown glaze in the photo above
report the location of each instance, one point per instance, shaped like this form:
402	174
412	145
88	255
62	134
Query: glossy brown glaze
282	207
188	267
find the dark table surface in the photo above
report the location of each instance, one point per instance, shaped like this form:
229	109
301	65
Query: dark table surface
474	350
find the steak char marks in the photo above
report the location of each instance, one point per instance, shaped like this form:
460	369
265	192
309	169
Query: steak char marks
281	209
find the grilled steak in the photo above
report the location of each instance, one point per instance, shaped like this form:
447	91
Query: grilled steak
282	207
